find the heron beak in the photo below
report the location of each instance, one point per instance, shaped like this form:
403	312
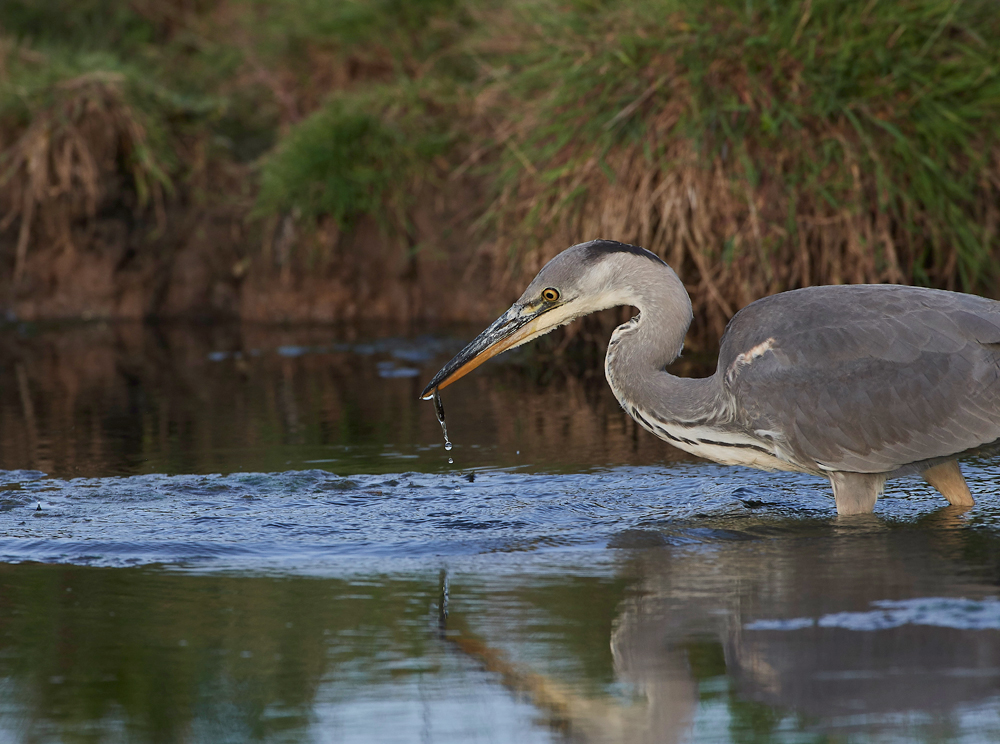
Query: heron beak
515	327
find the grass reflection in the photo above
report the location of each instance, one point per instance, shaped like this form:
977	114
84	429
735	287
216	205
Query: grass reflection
167	655
103	399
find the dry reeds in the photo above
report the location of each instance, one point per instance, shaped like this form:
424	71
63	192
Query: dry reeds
73	155
727	238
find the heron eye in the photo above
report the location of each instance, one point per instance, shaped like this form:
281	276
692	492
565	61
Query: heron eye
550	295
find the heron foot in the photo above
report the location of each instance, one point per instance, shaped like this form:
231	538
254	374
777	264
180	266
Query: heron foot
856	493
947	478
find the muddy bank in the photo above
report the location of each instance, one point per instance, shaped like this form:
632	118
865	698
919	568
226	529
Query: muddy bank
217	265
92	226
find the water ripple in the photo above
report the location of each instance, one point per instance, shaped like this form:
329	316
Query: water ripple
301	519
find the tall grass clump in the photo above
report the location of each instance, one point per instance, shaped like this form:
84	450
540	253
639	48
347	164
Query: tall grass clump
98	116
758	146
76	140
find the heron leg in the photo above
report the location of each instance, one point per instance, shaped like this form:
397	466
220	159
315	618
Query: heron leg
947	478
856	493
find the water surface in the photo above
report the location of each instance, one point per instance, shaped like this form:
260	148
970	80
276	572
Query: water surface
244	535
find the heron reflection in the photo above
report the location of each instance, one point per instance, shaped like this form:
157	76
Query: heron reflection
855	627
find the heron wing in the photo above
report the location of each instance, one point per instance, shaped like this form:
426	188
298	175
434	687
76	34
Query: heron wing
867	378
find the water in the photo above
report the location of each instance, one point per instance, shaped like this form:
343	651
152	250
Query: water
439	412
248	535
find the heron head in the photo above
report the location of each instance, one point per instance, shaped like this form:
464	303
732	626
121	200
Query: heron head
580	280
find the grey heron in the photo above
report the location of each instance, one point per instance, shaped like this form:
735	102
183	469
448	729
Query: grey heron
856	383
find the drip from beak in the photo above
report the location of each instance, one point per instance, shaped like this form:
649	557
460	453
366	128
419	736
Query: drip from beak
515	327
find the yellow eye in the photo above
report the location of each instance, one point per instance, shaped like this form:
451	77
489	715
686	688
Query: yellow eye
550	295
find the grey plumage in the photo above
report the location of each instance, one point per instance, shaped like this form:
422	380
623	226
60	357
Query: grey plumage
871	378
856	383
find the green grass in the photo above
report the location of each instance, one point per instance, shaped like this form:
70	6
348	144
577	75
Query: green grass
352	158
910	92
78	25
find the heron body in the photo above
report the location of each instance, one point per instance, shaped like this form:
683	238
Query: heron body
854	383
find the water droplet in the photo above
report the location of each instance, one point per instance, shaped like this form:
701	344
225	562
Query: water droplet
451	461
439	412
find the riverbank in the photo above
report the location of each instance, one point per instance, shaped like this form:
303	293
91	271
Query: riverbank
299	161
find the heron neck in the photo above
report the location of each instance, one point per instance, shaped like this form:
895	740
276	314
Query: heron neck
640	350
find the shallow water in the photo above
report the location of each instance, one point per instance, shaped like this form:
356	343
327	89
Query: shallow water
248	535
